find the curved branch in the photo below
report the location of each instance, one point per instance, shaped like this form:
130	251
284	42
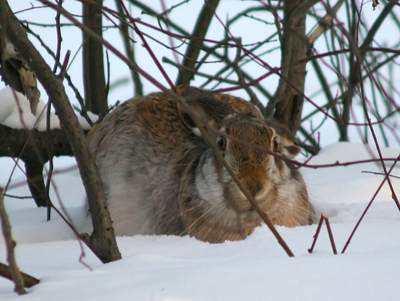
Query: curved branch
10	246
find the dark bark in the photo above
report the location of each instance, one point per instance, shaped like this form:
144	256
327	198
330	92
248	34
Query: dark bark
93	60
287	103
25	144
203	22
29	280
31	146
102	239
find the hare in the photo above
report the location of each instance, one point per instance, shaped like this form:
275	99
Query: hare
161	177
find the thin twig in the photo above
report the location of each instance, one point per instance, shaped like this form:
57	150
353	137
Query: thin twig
316	235
369	205
241	80
59	38
10	245
379	173
328	227
129	49
79	98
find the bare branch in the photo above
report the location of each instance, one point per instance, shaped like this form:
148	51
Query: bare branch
29	280
369	204
129	49
199	33
10	245
356	62
32	148
325	24
328	227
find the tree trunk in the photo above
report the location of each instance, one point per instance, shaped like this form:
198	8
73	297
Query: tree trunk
288	100
93	62
186	73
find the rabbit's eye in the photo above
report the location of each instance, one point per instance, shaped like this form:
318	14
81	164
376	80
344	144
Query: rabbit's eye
221	142
276	145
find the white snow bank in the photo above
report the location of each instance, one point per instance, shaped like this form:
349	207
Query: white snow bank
15	112
333	190
182	268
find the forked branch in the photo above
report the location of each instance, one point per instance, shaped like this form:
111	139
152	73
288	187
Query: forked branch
328	227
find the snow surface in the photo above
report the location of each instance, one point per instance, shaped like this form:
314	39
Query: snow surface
16	113
182	268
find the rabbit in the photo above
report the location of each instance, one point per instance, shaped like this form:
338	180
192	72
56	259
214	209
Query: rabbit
161	177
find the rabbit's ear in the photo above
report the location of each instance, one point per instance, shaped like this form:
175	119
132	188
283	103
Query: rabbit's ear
292	150
185	116
210	111
288	140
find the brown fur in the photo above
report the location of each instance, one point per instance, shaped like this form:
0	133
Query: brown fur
241	106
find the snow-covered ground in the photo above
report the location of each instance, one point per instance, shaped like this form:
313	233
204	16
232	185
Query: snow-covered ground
182	268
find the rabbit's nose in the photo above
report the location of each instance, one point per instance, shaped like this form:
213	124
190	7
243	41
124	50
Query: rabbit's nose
254	180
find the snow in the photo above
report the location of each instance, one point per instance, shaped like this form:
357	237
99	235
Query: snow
182	268
16	113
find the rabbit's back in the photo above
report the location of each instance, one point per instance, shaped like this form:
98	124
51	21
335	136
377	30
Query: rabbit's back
136	147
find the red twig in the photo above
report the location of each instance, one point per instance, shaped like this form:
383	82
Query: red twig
106	44
148	48
377	144
171	41
369	205
316	235
337	163
328	227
